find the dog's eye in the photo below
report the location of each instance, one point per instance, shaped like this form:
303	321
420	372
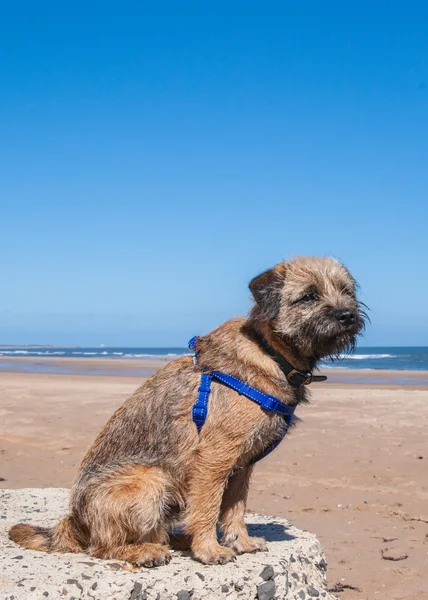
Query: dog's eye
309	297
347	292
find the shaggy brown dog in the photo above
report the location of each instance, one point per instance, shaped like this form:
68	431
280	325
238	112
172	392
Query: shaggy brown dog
149	469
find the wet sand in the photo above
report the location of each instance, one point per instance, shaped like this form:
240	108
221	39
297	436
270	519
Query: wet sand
354	471
148	366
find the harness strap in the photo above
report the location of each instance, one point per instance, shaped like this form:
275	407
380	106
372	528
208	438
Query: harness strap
200	408
265	401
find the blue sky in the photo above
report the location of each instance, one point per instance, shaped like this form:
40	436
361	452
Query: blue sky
156	156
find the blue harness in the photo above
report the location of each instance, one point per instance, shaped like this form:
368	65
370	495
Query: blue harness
265	401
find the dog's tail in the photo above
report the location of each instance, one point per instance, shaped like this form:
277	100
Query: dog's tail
32	537
64	537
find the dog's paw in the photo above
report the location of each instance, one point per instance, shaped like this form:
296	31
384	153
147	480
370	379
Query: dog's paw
155	557
217	555
245	543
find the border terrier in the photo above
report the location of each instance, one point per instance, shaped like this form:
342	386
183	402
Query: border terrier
150	470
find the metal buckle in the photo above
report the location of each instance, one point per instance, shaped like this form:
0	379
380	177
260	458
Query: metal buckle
309	379
306	377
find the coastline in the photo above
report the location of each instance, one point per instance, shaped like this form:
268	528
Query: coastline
143	367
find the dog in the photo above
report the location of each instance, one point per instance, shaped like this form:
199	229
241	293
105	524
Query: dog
150	470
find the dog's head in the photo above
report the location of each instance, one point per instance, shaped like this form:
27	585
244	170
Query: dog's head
312	304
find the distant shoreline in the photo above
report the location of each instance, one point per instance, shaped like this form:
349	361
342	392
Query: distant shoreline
143	367
364	358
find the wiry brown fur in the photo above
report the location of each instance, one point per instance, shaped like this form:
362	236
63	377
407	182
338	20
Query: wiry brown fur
149	469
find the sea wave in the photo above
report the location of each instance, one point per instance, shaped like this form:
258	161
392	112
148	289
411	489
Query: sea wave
105	353
367	356
30	353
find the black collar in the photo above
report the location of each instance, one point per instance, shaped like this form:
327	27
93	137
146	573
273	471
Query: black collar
294	377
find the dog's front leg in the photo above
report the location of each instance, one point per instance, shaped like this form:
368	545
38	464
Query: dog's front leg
235	534
207	484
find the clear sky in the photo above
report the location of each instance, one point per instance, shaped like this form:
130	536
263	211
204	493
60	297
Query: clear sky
155	156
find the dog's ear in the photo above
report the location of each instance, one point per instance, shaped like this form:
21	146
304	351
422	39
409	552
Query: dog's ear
266	289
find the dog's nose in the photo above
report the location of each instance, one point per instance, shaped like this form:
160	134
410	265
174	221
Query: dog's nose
346	316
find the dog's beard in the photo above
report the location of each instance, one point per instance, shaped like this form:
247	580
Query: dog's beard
325	339
335	347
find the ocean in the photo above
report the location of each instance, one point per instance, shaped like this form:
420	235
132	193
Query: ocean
411	358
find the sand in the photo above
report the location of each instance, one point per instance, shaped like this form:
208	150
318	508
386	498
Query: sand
354	471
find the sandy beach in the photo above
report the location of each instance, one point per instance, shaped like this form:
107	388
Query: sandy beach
353	472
